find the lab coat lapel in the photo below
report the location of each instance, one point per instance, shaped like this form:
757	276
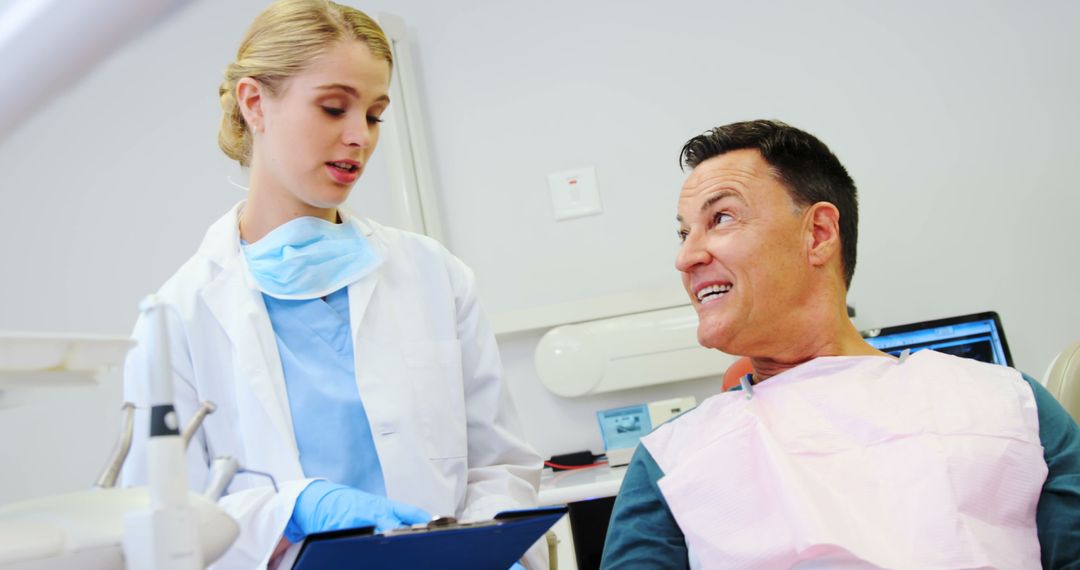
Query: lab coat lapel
237	304
372	390
359	298
360	292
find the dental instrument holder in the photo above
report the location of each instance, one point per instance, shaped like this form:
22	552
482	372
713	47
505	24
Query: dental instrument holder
222	471
166	537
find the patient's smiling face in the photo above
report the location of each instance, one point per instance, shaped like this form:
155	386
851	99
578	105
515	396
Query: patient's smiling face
744	251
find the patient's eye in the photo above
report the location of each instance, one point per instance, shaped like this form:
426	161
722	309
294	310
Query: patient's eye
722	217
682	235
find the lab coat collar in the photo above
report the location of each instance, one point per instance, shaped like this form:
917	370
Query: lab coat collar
367	228
221	244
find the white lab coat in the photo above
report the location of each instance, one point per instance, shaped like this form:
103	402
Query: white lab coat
426	364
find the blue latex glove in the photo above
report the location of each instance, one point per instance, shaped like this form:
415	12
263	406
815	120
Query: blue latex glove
324	506
517	566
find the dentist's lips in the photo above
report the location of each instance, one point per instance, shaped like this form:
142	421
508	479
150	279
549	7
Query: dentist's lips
344	171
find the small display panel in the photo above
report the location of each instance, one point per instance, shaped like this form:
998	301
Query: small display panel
623	427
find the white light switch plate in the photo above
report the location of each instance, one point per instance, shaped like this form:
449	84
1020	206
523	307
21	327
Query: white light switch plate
574	193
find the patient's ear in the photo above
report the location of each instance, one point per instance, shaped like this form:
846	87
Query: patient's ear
823	237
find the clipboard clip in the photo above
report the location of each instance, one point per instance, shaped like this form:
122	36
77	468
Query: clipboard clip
440	522
437	523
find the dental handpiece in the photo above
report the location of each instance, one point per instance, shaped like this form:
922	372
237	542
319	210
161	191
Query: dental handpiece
108	477
205	408
222	471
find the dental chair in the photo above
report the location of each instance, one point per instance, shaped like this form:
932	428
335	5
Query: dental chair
1063	379
735	372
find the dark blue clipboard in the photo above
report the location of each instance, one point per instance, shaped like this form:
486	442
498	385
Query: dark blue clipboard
494	545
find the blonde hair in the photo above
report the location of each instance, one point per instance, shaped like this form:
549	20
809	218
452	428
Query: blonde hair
281	42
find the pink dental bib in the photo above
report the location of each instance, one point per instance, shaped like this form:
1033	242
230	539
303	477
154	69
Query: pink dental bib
860	462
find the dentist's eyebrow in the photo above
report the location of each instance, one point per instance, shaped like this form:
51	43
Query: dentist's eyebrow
711	200
350	90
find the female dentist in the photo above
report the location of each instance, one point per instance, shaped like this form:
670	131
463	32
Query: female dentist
349	360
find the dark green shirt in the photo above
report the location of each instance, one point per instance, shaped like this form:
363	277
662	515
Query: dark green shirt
643	534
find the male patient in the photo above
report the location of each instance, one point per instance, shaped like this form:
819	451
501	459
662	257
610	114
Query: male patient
835	454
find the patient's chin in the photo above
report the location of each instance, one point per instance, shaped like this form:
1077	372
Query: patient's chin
710	335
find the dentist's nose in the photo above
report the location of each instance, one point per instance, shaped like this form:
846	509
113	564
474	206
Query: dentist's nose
358	134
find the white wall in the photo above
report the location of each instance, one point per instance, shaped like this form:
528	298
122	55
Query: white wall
957	121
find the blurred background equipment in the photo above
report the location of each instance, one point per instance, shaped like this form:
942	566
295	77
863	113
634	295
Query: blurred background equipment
626	351
50	44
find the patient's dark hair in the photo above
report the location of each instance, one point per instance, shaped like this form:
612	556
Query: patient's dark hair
809	170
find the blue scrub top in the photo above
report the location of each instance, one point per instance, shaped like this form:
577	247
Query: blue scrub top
331	426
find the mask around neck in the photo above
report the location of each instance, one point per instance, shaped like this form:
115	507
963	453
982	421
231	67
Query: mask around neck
308	258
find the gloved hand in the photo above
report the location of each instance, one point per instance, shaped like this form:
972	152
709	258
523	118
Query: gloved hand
517	566
324	506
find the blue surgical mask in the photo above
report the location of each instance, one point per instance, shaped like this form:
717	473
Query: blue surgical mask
308	258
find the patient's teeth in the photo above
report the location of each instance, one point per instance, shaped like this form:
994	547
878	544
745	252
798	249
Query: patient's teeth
712	292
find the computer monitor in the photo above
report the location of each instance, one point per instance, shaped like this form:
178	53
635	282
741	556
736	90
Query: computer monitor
978	336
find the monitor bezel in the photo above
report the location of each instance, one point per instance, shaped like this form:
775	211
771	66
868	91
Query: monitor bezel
933	323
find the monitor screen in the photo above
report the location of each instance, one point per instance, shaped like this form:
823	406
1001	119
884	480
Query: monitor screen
977	336
623	427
